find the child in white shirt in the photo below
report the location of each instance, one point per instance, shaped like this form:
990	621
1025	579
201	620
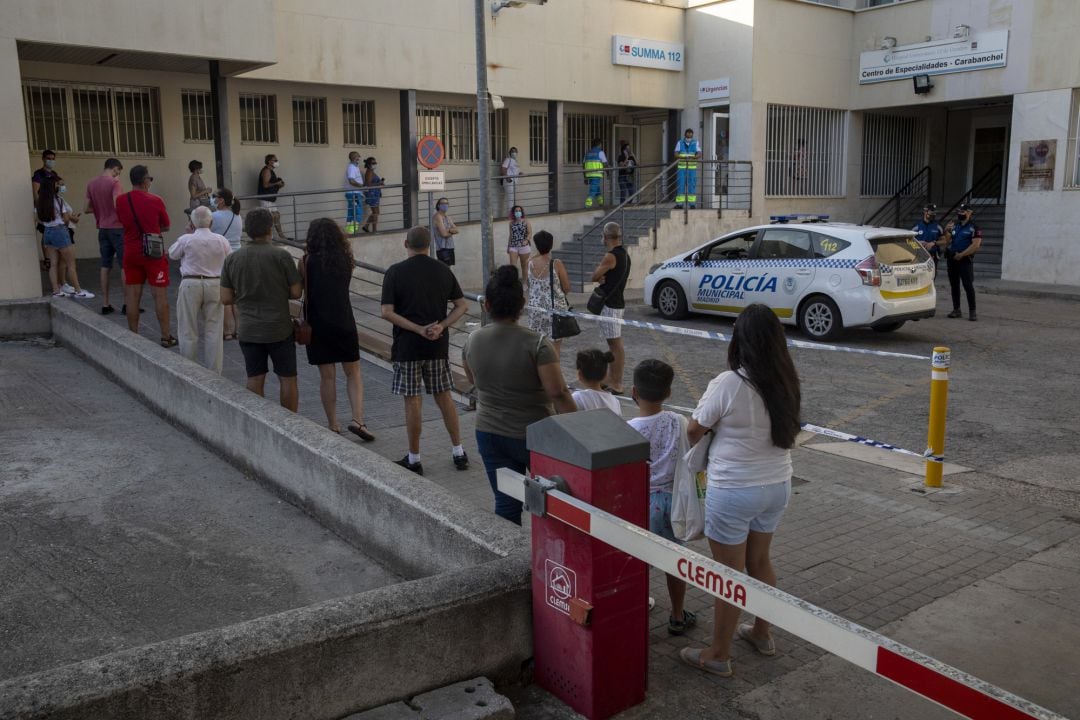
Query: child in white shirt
662	428
592	368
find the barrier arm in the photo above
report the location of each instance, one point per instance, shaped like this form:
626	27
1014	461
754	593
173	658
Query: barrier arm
954	690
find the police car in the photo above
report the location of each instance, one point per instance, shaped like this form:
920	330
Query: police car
821	276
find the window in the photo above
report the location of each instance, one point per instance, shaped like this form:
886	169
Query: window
309	121
894	149
1073	176
582	129
358	121
258	118
102	119
804	151
456	127
538	138
198	113
784	243
736	248
825	246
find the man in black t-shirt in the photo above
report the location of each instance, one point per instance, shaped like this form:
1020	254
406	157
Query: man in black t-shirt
415	294
612	274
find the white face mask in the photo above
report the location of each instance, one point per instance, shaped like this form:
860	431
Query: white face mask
62	189
50	164
275	164
513	155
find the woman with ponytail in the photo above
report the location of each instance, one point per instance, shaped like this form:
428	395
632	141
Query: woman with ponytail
227	223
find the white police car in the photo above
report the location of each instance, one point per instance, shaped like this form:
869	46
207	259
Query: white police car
821	276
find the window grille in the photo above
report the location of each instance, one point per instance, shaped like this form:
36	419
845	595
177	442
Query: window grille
309	121
93	119
538	138
499	129
804	151
358	121
197	109
582	129
1073	179
258	118
456	127
894	149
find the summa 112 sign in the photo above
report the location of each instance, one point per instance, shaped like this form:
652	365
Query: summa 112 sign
640	52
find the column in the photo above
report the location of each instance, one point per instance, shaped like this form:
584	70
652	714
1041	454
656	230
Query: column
555	151
219	99
407	120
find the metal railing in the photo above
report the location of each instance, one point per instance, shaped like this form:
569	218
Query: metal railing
298	209
986	190
909	199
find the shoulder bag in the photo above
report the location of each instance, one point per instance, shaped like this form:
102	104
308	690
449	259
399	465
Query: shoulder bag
301	328
599	297
153	244
562	326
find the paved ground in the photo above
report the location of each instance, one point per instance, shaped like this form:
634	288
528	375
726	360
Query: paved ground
117	530
984	577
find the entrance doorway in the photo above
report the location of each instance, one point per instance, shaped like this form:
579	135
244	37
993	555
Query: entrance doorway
717	142
989	149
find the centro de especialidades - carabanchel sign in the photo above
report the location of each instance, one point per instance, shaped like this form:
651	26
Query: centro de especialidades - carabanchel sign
640	52
978	51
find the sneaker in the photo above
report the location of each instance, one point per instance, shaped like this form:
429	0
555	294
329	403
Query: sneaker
461	462
652	602
415	467
107	309
84	294
67	289
59	293
678	206
676	627
955	314
693	207
972	317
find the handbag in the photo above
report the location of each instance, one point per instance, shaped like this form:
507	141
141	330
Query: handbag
562	326
445	255
687	494
599	298
301	328
153	245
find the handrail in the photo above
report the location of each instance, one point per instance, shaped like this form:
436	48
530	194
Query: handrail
632	199
995	170
903	192
302	193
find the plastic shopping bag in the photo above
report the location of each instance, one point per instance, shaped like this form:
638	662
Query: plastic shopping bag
687	494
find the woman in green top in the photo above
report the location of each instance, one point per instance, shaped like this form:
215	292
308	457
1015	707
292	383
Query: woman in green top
517	378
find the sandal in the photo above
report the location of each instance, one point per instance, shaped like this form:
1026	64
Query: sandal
230	336
168	342
692	657
766	647
678	627
609	389
359	428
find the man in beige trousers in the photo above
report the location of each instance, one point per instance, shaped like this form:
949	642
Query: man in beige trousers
200	314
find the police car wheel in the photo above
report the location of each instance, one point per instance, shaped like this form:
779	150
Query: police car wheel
671	301
890	327
819	318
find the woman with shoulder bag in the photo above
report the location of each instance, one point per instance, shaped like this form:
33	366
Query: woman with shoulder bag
228	223
445	230
548	285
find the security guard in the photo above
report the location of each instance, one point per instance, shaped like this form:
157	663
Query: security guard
594	163
687	152
963	239
928	232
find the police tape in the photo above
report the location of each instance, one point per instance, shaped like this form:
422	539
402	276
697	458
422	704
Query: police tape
949	687
722	337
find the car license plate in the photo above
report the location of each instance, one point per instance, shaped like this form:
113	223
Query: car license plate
905	281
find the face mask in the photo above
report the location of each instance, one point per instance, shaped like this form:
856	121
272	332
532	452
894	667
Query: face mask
689	138
50	164
442	207
62	189
513	154
374	165
275	164
517	214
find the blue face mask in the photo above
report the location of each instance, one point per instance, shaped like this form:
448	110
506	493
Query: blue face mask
517	214
442	207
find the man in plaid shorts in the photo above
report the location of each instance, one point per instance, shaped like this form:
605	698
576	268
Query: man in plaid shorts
415	294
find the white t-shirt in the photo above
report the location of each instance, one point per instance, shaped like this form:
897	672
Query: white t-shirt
587	399
741	453
354	173
662	432
510	168
227	224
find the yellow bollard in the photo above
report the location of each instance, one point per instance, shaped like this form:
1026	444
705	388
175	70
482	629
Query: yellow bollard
939	401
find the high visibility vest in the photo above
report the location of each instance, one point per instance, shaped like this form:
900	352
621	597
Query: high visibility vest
594	168
685	153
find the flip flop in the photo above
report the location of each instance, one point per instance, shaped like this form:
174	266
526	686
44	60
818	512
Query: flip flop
168	342
692	657
362	430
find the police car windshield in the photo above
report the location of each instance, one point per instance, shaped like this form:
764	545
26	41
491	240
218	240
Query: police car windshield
902	250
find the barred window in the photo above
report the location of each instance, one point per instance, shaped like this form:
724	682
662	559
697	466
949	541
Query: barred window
258	118
358	121
804	151
538	138
309	121
894	149
197	109
101	119
1073	176
582	129
456	127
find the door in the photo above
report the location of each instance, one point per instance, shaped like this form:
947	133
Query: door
989	147
719	273
787	271
717	172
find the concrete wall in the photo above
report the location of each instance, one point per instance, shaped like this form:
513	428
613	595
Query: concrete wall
673	238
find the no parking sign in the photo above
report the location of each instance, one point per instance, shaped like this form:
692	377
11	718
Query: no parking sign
430	152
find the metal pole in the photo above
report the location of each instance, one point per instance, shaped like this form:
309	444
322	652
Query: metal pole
939	400
484	138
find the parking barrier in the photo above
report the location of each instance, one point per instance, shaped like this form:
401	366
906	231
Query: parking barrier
939	402
947	686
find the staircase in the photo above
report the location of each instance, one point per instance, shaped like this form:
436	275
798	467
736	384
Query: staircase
991	220
583	252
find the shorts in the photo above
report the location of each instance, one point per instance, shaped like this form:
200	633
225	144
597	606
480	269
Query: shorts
281	353
435	375
110	245
269	205
139	269
611	330
660	515
519	249
731	513
57	237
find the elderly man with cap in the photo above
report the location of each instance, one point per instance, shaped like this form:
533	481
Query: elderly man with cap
928	232
200	314
963	239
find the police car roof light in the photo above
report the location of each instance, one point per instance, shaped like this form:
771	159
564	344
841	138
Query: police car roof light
798	217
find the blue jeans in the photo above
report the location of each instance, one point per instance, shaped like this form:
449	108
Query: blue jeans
355	213
499	451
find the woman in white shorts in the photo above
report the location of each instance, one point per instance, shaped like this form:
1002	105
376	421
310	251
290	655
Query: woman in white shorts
751	415
518	248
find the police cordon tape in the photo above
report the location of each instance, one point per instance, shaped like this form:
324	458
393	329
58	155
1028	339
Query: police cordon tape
713	335
945	685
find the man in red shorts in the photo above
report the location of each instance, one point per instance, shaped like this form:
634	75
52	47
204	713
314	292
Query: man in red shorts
141	212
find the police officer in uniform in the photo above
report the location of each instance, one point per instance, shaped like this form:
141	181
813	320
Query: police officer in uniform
962	241
929	232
